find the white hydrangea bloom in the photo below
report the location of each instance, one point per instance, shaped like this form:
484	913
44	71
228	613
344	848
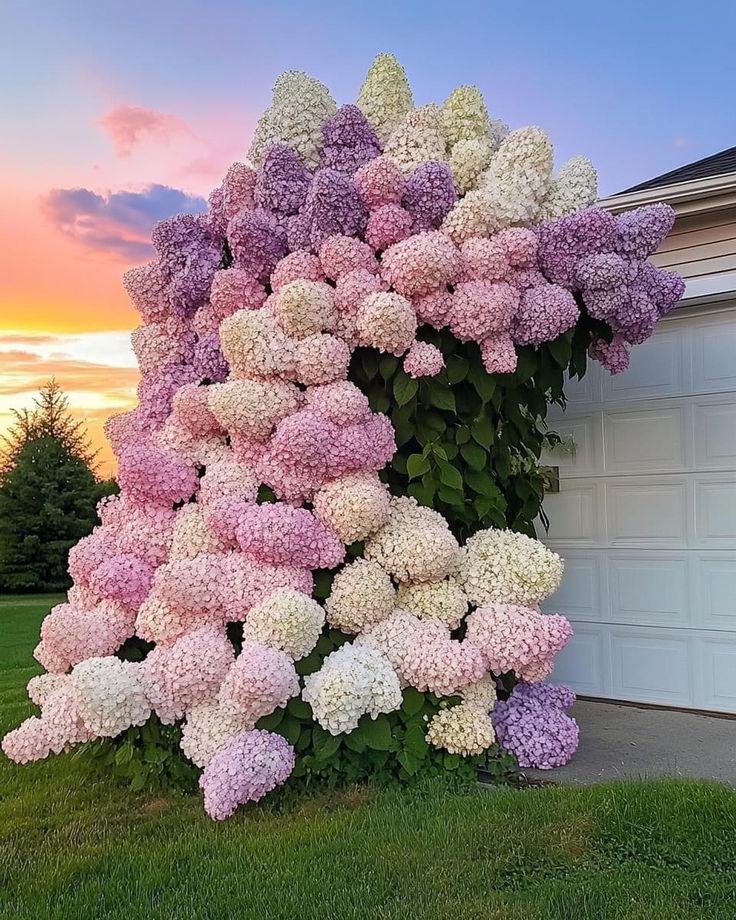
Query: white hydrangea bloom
442	600
468	159
385	97
362	595
462	730
464	116
518	178
287	620
415	545
353	680
352	506
301	106
481	695
109	695
575	186
207	729
417	139
509	568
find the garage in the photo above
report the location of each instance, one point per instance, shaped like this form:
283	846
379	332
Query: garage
646	513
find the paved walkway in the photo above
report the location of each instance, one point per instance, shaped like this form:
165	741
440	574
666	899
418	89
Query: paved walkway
624	742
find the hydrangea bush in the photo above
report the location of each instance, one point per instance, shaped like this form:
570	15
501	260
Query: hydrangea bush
345	369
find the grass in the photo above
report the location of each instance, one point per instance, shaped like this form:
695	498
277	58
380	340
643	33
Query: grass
73	844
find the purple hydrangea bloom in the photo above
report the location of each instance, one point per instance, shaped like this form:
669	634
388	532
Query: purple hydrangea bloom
640	232
216	216
349	141
545	312
663	288
251	765
257	240
282	181
564	242
333	207
533	724
208	359
613	355
189	257
429	195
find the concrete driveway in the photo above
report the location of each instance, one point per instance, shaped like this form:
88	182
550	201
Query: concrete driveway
625	742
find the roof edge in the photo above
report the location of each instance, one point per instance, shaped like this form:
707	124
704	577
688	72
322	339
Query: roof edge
703	193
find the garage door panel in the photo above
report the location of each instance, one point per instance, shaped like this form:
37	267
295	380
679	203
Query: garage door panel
715	512
639	441
717	674
575	514
586	662
581	595
651	665
586	433
659	367
714	355
715	605
652	590
715	433
647	512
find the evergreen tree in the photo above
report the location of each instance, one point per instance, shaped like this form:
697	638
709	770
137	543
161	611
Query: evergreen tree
50	417
48	494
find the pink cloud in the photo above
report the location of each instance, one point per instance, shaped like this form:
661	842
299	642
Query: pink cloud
129	124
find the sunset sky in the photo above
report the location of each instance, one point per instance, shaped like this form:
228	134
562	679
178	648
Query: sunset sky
117	114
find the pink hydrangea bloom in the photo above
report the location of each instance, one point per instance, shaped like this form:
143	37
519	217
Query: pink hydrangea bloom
423	360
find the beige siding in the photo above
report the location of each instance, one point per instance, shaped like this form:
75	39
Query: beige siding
701	245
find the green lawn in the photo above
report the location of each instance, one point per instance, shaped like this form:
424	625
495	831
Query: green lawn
75	845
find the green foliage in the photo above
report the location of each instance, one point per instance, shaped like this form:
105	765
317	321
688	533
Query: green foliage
47	504
469	442
391	748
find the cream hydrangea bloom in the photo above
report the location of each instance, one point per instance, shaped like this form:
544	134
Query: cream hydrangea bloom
417	139
362	596
442	600
510	568
385	97
468	159
415	545
575	186
353	680
352	506
518	178
462	730
471	217
286	620
464	116
301	106
207	729
481	694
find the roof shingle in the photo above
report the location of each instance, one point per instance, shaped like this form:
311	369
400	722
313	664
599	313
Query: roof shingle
714	165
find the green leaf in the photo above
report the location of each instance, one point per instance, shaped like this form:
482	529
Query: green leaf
450	476
451	761
413	701
387	365
299	709
483	383
441	397
272	720
417	465
376	733
415	742
482	482
405	388
290	728
457	368
325	744
474	455
462	435
561	349
482	431
409	762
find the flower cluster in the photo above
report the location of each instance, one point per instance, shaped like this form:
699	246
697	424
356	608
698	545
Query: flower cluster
251	460
533	724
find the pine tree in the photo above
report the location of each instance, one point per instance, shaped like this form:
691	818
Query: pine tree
50	417
48	494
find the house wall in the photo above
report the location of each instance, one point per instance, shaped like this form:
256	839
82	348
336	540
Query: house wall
700	245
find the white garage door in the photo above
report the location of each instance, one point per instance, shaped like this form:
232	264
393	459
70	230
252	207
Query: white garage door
646	521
